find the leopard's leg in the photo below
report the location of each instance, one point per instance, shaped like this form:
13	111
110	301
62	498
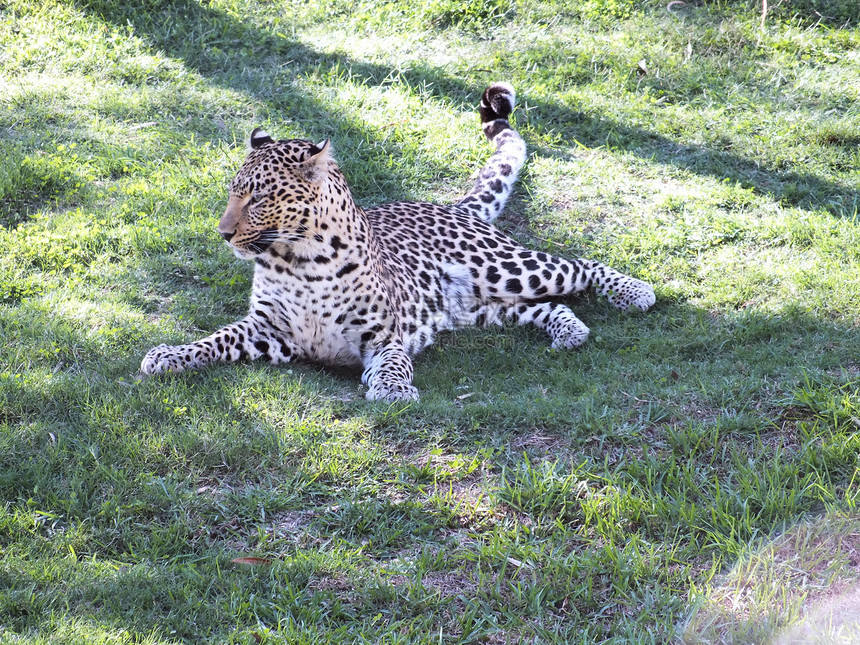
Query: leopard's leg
566	330
388	374
534	275
246	338
621	290
496	179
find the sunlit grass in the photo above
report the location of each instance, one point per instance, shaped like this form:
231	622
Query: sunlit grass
690	474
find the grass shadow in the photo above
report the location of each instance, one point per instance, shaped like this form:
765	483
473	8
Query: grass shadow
227	41
567	491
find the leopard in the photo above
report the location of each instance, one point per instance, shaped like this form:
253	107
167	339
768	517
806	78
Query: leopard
341	285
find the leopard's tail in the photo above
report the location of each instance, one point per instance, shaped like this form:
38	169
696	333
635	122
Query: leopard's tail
496	179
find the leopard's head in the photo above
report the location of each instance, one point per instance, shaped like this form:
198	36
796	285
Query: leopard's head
276	195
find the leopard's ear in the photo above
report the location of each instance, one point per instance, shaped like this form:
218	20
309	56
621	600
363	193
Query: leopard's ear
260	137
320	149
316	166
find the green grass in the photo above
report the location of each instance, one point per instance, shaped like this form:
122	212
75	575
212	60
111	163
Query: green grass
692	474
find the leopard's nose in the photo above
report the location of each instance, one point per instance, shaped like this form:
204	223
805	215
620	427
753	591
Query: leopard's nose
227	235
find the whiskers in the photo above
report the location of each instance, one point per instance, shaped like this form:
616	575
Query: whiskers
267	237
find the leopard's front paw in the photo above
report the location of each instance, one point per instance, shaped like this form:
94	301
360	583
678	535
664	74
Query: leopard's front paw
162	359
632	293
571	335
392	392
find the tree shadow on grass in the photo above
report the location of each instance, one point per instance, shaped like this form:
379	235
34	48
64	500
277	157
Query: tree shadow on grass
86	477
695	353
226	42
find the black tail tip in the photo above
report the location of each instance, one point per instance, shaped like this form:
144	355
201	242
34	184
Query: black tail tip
497	102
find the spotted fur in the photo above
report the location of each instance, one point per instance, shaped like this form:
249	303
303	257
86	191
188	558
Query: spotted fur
343	286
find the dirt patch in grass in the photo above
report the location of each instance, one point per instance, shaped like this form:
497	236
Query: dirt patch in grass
543	446
290	524
447	584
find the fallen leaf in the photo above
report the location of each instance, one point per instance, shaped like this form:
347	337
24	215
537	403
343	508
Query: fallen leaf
251	561
518	563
